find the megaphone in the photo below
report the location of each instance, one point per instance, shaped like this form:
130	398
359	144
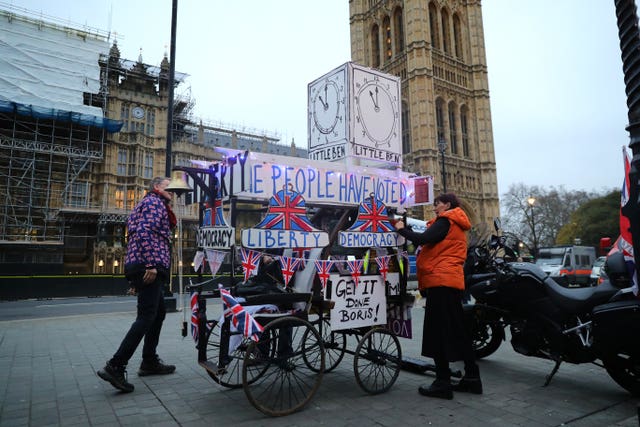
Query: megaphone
178	184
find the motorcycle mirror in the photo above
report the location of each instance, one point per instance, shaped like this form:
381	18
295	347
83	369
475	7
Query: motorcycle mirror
497	223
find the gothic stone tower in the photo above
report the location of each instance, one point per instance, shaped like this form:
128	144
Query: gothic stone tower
437	48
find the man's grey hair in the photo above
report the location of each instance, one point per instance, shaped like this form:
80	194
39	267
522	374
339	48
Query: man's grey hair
157	181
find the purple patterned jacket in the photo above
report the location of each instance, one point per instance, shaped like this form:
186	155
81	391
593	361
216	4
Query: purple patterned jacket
149	236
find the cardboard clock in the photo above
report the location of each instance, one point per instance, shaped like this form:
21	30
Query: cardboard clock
354	111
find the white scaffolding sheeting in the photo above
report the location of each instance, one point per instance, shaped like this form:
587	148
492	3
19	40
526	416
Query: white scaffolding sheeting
49	66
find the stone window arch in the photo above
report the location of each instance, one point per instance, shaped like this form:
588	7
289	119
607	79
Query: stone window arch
446	38
453	134
406	128
440	119
457	37
388	42
434	27
375	46
464	131
398	30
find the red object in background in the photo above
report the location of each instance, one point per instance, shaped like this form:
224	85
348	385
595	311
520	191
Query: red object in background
605	245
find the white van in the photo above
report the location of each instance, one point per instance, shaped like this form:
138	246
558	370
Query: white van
568	265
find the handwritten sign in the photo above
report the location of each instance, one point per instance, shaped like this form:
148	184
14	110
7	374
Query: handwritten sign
257	176
267	238
359	239
216	237
357	306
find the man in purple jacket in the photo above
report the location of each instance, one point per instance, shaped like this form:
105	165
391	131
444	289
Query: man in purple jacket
147	267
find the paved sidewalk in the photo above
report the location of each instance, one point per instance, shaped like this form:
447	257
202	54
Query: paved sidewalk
47	378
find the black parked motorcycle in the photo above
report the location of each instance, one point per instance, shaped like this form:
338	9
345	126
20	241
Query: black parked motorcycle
599	325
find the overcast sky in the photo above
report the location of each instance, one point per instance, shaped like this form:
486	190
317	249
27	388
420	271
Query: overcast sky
555	74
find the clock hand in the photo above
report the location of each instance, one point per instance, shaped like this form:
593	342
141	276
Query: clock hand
324	104
375	102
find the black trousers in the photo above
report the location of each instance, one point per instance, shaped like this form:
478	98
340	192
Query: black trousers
148	324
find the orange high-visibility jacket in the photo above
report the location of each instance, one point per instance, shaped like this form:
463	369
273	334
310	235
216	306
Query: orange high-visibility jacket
441	264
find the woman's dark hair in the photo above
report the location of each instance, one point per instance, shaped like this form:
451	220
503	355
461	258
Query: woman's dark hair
448	198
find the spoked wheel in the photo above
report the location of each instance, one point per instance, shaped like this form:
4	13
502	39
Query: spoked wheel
377	359
228	370
335	344
277	377
624	368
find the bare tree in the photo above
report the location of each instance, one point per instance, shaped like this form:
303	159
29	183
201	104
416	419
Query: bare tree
536	214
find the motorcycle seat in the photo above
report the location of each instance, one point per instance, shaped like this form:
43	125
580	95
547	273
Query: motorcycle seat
578	300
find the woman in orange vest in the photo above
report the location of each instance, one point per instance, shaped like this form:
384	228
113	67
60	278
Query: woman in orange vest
441	281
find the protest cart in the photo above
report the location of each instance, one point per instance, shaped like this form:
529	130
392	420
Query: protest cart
343	275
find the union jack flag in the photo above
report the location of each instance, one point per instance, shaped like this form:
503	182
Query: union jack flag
323	268
240	318
625	241
219	217
372	217
383	265
286	211
194	316
289	266
354	267
302	254
250	261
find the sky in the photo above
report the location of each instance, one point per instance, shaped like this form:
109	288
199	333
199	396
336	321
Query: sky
556	85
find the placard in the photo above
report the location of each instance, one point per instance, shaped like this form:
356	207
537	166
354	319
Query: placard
357	306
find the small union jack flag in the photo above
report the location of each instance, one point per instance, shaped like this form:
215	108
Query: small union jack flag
289	266
194	316
372	217
383	265
286	211
219	217
354	267
302	254
250	261
240	318
323	268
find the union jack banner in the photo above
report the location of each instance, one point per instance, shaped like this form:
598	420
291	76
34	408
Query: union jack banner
250	261
625	241
194	316
372	217
286	211
289	266
302	254
383	265
215	259
323	268
219	217
240	318
354	267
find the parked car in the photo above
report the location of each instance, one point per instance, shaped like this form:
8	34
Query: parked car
597	270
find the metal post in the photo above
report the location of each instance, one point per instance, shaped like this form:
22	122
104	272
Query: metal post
172	75
442	146
627	17
531	202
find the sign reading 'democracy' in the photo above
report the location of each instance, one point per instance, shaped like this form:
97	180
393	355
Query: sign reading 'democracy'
258	176
357	306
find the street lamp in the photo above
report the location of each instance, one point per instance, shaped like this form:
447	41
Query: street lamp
532	201
442	146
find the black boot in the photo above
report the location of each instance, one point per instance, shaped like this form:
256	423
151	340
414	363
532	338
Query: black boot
155	367
440	388
117	376
469	385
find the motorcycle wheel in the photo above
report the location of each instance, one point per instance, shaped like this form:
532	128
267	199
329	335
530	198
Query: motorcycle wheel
624	369
487	338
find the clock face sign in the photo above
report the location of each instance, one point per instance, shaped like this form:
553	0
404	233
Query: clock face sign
377	111
327	109
137	112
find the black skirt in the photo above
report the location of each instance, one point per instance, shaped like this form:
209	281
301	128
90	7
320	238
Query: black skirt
444	334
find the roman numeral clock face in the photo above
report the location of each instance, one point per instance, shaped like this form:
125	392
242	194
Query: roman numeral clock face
377	110
327	110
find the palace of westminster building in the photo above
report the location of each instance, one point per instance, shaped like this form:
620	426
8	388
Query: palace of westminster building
68	181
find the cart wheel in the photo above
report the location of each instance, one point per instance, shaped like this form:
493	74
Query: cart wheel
276	377
229	370
335	344
376	362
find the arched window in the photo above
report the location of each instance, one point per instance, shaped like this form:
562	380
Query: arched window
457	36
440	119
375	46
406	129
388	52
464	131
446	39
399	30
433	23
453	136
